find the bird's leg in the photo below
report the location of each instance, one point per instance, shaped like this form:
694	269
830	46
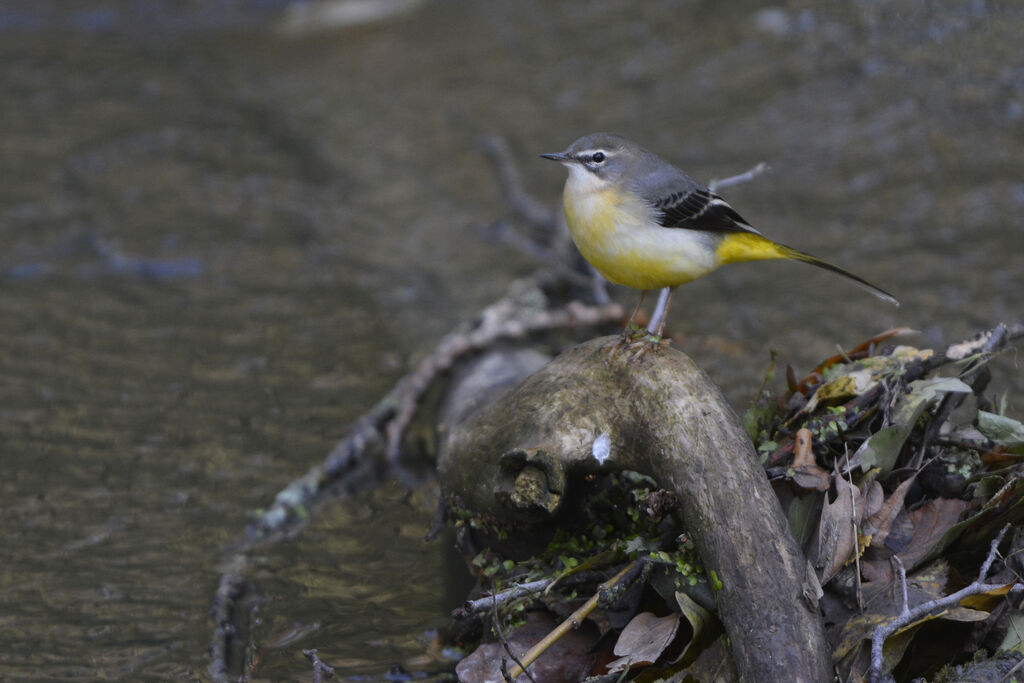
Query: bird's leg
664	312
657	323
629	332
653	337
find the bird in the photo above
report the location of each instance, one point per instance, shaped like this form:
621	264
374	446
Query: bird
644	223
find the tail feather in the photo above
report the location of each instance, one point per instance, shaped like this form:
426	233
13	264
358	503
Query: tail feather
864	284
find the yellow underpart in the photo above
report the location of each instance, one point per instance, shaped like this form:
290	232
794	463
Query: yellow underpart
619	235
748	246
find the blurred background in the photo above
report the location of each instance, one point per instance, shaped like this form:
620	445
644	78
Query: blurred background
228	227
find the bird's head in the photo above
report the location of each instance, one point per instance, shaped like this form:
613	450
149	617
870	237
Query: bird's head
599	159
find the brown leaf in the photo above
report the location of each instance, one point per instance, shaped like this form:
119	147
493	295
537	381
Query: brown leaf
876	571
873	499
837	538
803	454
807	474
643	640
931	521
878	524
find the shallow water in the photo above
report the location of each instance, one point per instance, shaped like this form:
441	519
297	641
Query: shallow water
219	245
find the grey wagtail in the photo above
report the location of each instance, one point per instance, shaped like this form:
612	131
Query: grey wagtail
643	223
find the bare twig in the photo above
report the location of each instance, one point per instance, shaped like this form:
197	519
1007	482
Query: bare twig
574	621
227	606
504	643
716	184
529	209
901	571
320	670
908	616
501	597
856	537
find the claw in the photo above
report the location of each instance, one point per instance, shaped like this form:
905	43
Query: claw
638	345
650	342
616	346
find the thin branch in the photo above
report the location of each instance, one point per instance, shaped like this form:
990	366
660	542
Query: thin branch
901	571
856	537
228	609
716	184
320	670
508	595
573	622
529	209
508	648
908	616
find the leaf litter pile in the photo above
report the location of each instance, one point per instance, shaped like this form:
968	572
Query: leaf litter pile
901	480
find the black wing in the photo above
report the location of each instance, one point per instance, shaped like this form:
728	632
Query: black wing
699	209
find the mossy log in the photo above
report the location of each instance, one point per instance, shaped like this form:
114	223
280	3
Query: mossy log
662	416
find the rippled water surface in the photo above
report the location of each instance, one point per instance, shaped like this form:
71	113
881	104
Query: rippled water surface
221	242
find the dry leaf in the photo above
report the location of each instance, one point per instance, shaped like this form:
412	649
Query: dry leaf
840	389
879	524
643	640
931	521
860	351
837	537
807	474
873	499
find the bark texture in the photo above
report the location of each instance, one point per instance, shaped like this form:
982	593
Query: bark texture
664	417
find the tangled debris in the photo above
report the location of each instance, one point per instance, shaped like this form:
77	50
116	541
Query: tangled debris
899	479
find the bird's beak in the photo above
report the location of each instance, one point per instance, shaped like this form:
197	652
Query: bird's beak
557	156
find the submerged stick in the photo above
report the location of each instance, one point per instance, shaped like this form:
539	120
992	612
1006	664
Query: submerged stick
663	417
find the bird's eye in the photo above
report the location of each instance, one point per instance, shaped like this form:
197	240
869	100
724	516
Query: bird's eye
598	157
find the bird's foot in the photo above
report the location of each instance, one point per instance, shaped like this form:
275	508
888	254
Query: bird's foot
616	346
647	342
627	337
638	342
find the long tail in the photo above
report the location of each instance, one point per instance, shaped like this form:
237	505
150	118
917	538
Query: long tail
753	246
815	261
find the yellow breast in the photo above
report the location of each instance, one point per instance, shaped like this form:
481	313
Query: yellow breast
619	236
